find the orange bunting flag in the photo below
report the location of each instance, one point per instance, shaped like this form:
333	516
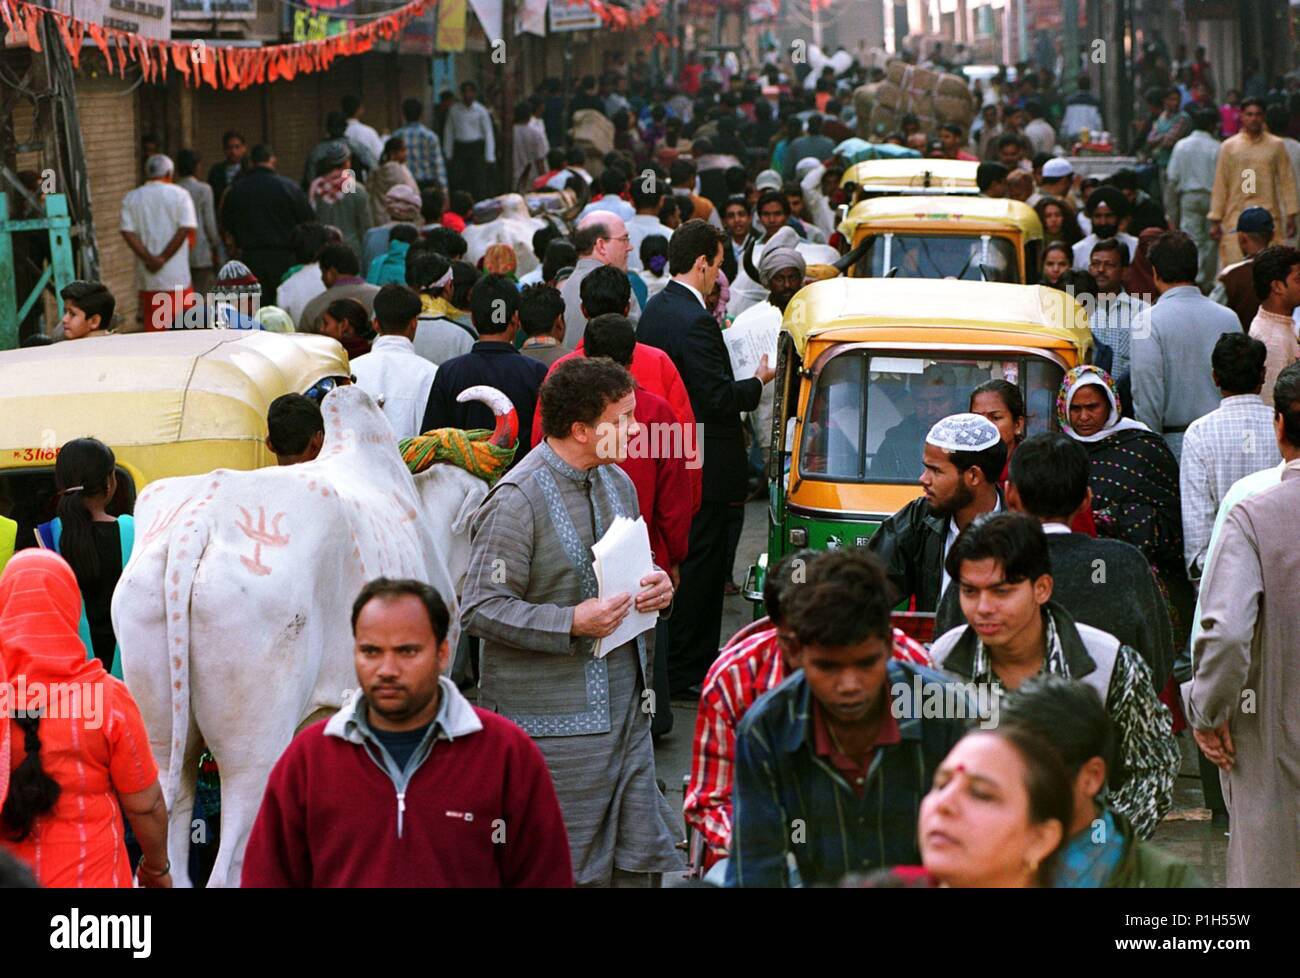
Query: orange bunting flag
181	58
62	24
208	66
32	25
222	67
101	41
78	30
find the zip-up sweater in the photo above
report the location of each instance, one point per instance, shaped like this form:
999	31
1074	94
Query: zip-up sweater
475	807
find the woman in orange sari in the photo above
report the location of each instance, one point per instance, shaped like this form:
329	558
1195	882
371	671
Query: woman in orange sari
80	755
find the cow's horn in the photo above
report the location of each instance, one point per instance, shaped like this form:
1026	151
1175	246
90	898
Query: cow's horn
506	432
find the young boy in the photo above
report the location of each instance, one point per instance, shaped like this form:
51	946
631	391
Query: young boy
541	314
87	310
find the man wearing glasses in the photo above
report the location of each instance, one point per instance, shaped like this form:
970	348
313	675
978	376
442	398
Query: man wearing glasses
601	239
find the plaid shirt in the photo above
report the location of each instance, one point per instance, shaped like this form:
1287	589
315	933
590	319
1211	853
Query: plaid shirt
423	153
749	666
1112	323
1225	445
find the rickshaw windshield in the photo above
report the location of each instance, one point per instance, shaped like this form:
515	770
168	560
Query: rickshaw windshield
869	415
940	256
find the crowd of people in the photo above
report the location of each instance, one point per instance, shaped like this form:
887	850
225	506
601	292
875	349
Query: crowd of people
1169	467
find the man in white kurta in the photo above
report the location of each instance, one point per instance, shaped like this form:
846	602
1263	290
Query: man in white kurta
1245	696
397	377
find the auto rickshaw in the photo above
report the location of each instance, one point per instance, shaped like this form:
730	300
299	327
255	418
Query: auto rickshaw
168	404
866	366
913	177
972	238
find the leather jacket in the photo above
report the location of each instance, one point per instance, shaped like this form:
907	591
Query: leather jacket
911	545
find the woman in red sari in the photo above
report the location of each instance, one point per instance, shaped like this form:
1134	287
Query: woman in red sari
80	755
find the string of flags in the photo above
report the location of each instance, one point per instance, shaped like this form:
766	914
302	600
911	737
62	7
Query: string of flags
221	66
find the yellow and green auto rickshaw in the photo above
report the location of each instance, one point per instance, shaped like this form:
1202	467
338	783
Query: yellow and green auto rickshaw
971	238
175	403
910	177
865	366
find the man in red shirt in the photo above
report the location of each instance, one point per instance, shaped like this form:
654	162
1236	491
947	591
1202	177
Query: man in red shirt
605	291
757	659
657	470
952	141
662	475
408	784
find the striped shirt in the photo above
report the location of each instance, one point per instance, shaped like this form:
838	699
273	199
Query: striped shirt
794	809
1225	445
748	667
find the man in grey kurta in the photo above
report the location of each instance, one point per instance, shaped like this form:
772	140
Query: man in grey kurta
1245	699
531	595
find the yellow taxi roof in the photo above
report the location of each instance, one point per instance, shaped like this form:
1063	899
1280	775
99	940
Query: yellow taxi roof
924	213
935	311
156	388
911	176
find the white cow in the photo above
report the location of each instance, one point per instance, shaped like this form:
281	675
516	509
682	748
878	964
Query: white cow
233	613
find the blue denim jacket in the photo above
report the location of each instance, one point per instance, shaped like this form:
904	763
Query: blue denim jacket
793	806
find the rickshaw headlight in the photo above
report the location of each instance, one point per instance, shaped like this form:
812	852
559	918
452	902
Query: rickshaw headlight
799	537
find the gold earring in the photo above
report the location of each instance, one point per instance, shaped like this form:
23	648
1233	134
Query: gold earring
1031	865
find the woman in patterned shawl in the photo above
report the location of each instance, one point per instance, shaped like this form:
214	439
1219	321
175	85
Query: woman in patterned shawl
1134	482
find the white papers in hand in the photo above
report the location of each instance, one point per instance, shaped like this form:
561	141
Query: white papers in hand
750	337
622	560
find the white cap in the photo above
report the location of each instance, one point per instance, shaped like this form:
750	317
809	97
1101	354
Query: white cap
964	433
1056	168
769	180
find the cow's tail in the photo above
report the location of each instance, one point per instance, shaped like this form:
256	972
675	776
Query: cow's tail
184	550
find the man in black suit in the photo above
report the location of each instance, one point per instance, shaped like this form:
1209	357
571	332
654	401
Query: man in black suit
677	322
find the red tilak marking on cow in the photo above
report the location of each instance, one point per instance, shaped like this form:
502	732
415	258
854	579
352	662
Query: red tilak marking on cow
161	523
261	537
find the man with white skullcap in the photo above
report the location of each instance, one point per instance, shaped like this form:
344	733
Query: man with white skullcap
1056	181
159	224
962	461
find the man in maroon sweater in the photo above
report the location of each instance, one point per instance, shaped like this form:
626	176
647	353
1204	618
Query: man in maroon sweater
469	798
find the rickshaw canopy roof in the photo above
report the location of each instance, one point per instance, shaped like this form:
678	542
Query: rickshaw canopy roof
914	176
936	311
157	388
945	215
